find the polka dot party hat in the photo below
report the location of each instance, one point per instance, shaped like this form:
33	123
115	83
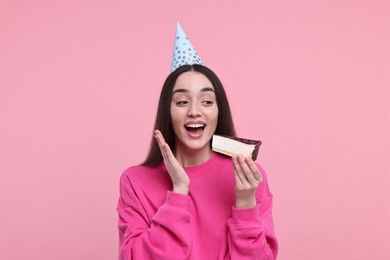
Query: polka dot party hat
183	51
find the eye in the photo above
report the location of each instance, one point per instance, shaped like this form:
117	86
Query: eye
207	103
181	103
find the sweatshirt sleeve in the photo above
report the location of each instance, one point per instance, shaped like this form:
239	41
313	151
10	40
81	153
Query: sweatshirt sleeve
165	236
251	230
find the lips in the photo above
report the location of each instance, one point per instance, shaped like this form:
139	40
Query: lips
195	129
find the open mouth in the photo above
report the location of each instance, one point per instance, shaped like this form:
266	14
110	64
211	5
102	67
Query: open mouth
195	129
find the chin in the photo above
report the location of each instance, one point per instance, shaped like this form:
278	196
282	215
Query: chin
196	145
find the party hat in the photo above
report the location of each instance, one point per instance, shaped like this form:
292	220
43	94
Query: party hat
183	51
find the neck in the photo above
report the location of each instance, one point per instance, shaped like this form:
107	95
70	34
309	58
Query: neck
187	157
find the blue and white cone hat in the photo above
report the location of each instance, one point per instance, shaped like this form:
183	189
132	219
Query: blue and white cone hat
183	51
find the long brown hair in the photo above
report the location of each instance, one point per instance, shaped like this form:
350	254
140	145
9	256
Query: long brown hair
163	123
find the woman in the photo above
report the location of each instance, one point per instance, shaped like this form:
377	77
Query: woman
184	201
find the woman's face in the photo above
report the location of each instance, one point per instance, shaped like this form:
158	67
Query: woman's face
194	111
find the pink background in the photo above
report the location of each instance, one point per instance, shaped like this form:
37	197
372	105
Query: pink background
79	83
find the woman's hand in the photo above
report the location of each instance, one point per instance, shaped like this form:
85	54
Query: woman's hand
248	179
180	180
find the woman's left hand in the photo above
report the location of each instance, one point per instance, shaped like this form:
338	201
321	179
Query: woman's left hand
248	179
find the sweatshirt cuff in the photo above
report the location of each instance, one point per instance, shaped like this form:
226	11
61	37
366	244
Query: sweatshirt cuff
177	200
246	215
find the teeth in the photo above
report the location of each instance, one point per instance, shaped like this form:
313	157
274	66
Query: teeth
195	125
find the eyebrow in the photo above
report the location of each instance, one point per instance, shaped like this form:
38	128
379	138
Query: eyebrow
182	90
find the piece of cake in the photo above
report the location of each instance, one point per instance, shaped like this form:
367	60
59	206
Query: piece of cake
230	146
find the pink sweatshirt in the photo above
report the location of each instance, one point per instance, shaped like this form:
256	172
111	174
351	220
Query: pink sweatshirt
155	223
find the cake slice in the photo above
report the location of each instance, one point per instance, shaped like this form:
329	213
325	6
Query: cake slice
230	146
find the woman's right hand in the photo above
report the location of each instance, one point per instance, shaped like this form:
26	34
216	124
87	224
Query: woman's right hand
180	180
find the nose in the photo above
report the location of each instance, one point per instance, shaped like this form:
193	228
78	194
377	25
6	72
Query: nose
194	110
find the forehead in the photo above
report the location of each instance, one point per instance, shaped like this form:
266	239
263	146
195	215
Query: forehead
192	81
